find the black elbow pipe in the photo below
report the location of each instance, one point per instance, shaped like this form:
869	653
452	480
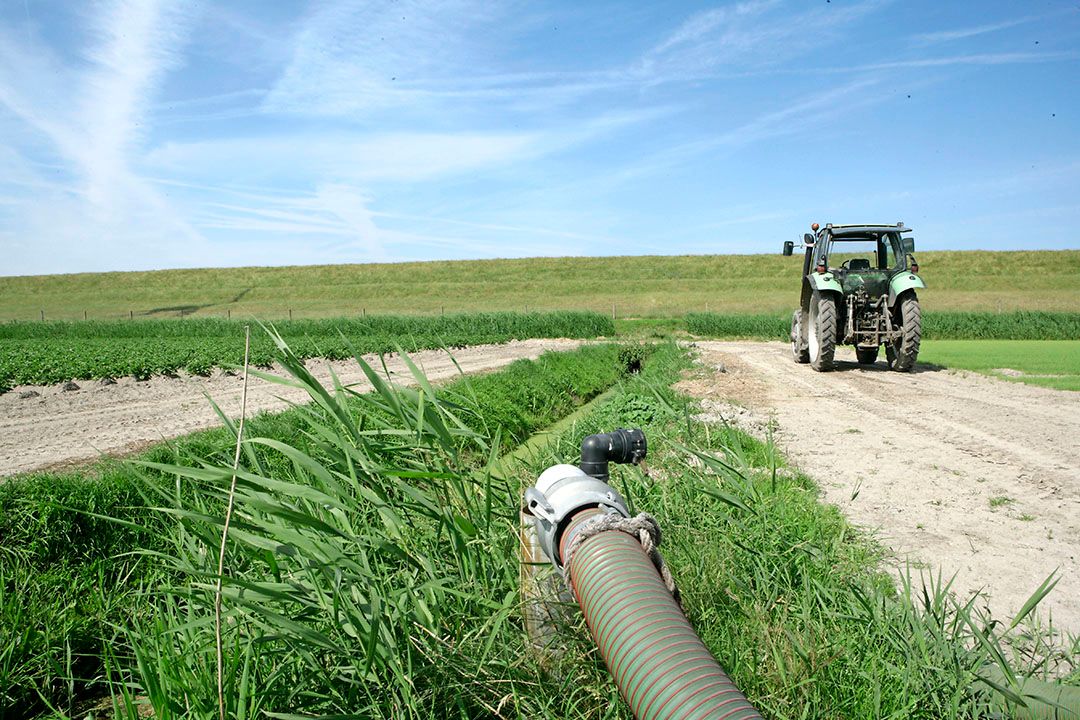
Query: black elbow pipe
620	446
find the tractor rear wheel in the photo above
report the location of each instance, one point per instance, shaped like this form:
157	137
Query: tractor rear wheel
902	352
822	331
866	356
798	339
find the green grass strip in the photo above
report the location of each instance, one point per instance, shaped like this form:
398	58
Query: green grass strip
1048	363
937	325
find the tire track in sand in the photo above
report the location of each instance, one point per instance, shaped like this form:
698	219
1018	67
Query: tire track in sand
56	428
918	458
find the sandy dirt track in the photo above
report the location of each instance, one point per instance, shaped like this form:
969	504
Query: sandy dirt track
951	470
57	428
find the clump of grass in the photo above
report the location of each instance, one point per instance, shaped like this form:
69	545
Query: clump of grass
1000	500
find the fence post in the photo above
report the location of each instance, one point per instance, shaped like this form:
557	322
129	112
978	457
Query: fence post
84	314
42	316
228	313
612	309
364	312
131	314
290	314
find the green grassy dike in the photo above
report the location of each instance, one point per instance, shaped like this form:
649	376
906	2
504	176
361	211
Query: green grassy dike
373	569
645	286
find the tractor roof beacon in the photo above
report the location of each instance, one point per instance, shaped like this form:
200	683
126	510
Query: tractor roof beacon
858	288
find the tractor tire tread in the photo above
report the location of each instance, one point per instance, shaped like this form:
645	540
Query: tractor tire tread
826	331
902	358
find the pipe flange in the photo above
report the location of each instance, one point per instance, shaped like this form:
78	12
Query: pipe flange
560	492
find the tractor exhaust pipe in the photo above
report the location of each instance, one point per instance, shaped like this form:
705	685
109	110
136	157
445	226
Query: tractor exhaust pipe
661	667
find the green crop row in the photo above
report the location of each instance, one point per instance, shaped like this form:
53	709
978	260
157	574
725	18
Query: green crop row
1022	325
42	353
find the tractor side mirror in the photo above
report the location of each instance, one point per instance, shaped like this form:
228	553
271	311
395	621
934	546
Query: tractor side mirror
907	244
789	248
808	240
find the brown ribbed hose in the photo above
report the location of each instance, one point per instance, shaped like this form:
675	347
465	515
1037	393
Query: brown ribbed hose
659	664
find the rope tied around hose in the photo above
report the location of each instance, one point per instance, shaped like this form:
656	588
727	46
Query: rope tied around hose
642	528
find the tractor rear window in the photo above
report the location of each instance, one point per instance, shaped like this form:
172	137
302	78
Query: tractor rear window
855	255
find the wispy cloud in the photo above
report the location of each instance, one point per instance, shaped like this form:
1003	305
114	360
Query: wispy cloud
747	37
92	116
135	44
986	59
943	36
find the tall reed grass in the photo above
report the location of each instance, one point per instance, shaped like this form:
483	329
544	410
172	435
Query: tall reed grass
67	575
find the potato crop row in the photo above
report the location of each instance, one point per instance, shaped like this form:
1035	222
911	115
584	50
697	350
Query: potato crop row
43	353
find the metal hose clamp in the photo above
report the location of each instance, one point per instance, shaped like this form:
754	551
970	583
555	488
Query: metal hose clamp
561	491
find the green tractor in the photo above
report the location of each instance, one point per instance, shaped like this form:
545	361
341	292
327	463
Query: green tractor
858	289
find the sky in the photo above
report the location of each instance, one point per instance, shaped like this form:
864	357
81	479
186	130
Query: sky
147	134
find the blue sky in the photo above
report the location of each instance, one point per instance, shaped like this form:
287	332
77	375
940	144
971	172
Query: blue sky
141	134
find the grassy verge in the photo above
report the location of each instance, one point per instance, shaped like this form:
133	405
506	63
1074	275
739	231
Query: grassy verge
42	353
788	596
1049	363
373	571
378	577
65	580
936	325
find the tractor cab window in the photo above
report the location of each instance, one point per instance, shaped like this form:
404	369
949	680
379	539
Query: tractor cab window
890	245
854	255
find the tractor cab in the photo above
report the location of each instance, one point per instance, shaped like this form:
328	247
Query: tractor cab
862	260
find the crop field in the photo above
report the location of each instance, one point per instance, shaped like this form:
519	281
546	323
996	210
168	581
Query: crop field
1050	363
647	286
42	353
421	616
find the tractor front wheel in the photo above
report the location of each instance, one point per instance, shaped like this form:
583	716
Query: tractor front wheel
822	331
798	339
902	352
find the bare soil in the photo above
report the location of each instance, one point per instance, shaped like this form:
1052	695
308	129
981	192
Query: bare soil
57	428
952	470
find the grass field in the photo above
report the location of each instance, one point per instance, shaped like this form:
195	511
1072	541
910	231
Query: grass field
652	286
1050	363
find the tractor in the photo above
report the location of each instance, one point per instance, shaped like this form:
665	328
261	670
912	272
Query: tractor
858	288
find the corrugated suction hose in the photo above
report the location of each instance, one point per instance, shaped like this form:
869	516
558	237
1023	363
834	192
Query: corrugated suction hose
583	526
659	664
